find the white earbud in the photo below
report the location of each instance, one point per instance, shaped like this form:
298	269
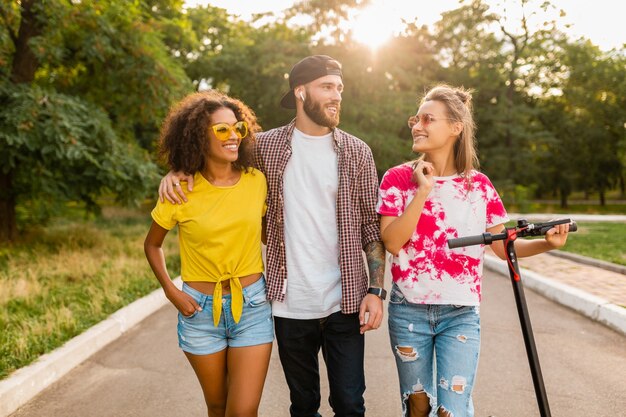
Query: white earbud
302	95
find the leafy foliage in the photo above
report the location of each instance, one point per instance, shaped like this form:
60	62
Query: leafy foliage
86	83
585	123
109	53
249	61
59	147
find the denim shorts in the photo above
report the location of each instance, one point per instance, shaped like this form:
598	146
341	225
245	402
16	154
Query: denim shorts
198	335
436	348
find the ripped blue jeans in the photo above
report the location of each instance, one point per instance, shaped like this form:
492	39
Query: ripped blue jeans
436	348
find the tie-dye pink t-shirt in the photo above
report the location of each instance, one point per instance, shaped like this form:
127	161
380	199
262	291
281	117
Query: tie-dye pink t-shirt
426	270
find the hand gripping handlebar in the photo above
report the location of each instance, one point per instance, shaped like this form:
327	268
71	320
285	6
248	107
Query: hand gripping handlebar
524	229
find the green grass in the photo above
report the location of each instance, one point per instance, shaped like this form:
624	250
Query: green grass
600	240
610	208
577	207
605	241
59	281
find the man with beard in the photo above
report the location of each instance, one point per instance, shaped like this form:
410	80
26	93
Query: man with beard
322	191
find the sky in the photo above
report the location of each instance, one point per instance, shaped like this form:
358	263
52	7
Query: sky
602	21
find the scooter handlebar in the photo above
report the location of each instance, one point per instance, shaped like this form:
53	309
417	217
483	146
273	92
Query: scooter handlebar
485	238
488	238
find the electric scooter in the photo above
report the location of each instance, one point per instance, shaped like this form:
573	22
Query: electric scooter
523	229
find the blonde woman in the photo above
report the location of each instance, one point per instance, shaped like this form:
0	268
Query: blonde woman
436	292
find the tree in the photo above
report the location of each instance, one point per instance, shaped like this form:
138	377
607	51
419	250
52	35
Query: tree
327	17
84	76
474	55
586	118
55	147
111	54
507	63
248	60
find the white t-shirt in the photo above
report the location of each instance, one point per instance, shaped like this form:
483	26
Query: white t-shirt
426	270
310	183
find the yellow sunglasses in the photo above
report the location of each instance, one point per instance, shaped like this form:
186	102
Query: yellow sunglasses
223	130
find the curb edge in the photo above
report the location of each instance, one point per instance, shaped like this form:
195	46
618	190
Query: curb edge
591	306
25	383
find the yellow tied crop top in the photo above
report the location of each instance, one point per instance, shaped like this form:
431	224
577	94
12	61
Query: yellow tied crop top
219	233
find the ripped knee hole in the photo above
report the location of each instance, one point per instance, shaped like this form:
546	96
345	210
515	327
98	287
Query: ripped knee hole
406	353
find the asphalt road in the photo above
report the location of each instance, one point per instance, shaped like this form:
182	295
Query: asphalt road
584	367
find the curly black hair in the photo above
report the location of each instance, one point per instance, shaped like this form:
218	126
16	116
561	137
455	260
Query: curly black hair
184	143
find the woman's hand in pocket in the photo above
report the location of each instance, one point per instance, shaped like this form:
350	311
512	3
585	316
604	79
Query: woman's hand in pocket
183	302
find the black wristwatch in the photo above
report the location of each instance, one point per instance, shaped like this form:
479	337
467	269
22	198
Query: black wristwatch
380	292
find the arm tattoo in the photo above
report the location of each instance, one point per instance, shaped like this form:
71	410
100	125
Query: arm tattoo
375	253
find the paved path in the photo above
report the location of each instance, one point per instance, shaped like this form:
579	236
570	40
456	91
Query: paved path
144	374
593	280
599	282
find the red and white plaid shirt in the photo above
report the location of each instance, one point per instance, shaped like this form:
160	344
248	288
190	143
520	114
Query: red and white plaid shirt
357	219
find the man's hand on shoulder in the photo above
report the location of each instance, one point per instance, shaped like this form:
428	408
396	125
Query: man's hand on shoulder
170	187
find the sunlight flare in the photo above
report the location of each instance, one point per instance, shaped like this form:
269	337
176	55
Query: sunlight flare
375	25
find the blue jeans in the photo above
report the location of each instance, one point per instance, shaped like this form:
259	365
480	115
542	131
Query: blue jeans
343	348
199	336
431	340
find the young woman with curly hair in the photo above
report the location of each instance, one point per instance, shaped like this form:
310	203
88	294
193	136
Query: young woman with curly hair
225	326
